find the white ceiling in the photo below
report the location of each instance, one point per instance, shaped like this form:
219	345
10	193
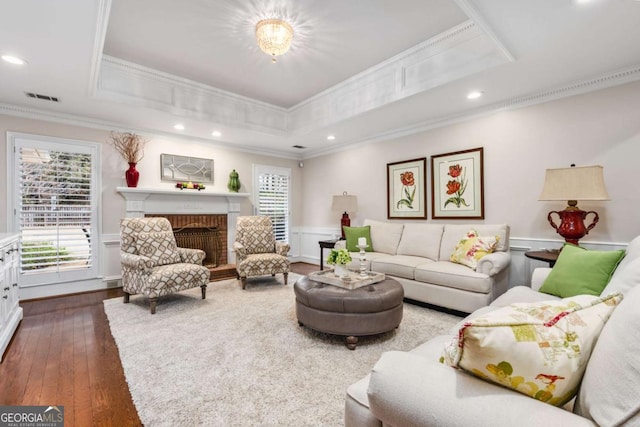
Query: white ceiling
360	69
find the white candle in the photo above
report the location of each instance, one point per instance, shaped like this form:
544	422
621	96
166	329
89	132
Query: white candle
362	241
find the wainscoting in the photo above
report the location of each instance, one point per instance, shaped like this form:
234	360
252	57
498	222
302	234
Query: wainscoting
305	248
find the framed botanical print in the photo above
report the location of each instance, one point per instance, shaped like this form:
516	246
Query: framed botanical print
457	185
407	189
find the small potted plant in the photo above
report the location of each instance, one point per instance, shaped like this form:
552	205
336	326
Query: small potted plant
340	258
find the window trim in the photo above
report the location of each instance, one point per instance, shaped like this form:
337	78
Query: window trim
13	225
276	170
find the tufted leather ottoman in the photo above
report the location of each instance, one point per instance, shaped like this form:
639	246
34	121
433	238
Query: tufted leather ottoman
369	310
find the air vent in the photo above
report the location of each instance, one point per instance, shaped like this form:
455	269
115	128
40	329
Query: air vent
43	97
301	147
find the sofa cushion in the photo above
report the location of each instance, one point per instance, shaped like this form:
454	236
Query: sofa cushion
352	234
160	246
385	236
538	349
609	390
472	247
453	233
580	271
449	274
421	240
397	265
625	278
519	294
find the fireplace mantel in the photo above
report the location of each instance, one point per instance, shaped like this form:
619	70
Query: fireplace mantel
141	201
137	193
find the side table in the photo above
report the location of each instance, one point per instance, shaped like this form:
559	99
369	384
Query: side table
546	256
326	244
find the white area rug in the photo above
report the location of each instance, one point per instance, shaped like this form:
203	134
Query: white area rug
240	358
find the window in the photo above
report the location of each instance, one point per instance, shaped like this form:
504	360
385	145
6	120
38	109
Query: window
272	197
54	205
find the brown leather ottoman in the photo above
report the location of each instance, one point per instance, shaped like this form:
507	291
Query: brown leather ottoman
368	310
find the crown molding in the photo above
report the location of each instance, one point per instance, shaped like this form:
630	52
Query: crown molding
458	52
133	84
91	123
102	22
615	78
604	81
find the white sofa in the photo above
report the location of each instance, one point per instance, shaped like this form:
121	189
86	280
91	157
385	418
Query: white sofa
417	256
413	388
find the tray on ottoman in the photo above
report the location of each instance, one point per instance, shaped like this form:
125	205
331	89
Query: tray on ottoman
352	281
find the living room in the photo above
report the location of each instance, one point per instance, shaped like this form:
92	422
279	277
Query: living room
577	106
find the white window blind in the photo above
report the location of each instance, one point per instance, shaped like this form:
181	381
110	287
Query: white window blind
273	187
55	209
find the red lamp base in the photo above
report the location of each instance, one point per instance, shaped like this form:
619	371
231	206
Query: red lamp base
344	222
572	226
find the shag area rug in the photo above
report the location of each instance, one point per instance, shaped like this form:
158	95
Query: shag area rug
239	358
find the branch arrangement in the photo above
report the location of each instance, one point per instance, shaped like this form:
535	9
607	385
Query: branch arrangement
129	145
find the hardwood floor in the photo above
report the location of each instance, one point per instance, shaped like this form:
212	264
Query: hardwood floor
64	354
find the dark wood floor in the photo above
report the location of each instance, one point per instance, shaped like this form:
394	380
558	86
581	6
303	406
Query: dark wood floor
63	353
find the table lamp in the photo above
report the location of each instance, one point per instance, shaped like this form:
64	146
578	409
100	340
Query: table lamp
346	204
573	184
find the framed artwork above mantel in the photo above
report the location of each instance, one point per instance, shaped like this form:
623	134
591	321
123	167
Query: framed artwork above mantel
457	185
182	168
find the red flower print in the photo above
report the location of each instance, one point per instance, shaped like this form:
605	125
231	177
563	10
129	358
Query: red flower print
407	178
452	187
455	171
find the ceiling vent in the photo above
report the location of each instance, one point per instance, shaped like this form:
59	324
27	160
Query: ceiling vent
301	147
43	97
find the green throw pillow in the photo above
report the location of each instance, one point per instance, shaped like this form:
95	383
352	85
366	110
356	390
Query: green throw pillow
579	271
353	233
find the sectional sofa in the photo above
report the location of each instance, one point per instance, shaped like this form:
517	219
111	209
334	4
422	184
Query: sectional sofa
417	255
414	388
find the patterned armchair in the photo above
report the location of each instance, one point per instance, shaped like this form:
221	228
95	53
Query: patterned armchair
257	251
153	265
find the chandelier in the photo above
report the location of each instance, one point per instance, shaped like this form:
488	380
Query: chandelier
274	37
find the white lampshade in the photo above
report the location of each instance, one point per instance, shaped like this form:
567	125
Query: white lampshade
575	183
345	203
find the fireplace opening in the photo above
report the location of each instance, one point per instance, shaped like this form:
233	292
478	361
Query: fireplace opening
205	232
195	236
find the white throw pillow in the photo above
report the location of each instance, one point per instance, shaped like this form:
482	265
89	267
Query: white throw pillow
538	349
385	236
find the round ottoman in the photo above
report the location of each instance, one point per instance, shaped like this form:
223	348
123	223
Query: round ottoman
368	310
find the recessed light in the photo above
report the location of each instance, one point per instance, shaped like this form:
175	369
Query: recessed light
475	94
331	137
216	133
13	60
179	126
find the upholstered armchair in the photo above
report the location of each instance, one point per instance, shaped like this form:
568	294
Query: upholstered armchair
153	265
257	251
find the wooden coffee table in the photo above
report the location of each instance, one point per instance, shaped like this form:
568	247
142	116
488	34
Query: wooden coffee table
368	310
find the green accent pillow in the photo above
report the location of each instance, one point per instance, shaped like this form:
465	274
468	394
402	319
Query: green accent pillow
580	271
353	233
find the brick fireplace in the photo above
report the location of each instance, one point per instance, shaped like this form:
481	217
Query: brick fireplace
207	232
200	219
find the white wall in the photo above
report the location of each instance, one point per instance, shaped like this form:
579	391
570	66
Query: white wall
113	168
597	128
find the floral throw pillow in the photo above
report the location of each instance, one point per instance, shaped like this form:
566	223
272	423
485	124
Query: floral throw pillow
539	349
473	247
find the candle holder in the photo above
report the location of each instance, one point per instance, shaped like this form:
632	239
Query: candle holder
363	262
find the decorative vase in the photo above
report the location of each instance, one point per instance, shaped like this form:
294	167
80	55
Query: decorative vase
132	175
234	181
341	270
